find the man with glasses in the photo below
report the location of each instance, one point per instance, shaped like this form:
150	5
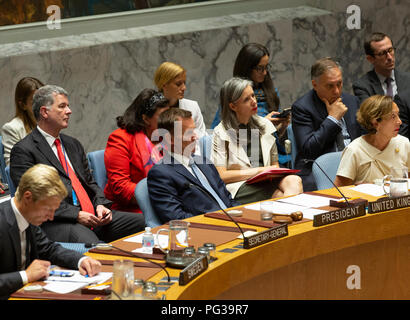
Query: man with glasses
384	78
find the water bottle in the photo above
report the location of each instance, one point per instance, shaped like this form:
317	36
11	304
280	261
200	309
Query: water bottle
147	241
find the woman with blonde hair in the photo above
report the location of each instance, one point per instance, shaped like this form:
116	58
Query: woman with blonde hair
170	79
371	156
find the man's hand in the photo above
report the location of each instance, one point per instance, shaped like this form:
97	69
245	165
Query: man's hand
337	109
88	219
104	215
90	266
37	270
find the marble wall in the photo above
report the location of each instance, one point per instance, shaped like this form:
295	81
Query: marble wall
104	72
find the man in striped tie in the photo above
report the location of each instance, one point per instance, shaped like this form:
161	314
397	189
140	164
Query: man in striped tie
183	185
84	215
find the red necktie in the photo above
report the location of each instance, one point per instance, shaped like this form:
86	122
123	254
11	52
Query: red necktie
85	202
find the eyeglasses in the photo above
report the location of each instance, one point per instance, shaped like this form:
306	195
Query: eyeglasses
260	69
384	53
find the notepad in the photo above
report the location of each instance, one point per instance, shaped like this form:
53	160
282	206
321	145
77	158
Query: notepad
271	174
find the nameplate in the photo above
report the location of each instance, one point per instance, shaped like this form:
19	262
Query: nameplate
339	215
386	204
265	236
193	270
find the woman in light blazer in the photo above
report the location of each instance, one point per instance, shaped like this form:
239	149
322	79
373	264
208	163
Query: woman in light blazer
244	145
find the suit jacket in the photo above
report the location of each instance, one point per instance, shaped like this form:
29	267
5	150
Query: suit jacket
402	100
175	193
315	134
34	149
369	84
40	248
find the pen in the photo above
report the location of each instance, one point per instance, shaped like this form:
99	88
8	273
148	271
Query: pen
105	215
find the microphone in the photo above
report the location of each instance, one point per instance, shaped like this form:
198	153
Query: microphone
314	161
189	185
106	245
288	149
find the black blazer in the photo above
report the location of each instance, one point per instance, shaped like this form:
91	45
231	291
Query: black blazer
34	149
40	248
315	134
369	84
402	100
173	192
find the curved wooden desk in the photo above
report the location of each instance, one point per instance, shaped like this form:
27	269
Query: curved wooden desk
310	263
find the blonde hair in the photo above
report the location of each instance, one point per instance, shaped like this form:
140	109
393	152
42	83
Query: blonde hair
374	107
166	72
43	182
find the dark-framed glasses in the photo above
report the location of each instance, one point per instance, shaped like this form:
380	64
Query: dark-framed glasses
260	69
384	53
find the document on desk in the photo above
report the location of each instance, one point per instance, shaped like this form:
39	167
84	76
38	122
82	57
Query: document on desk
312	200
162	238
287	208
371	189
69	284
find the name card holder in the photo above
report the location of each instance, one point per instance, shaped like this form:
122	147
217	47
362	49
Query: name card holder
339	215
193	270
388	203
265	236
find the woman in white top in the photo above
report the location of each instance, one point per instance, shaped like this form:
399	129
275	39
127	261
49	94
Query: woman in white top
24	121
244	146
170	78
371	156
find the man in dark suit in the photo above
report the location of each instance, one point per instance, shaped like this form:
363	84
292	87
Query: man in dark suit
25	252
402	100
174	189
384	79
324	119
84	215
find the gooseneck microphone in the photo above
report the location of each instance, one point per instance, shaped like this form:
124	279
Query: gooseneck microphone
314	161
189	185
132	254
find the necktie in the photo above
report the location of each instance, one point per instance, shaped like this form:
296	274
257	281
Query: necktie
85	202
205	183
340	141
23	244
389	89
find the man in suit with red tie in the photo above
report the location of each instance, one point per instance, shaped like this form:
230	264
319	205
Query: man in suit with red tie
384	79
84	215
25	252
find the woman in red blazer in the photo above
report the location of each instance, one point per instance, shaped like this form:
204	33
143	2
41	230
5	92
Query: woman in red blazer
130	153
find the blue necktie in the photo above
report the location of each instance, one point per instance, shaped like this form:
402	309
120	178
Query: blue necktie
199	175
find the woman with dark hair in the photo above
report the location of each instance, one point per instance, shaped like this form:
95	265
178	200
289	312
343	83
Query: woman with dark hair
130	152
244	146
24	121
252	63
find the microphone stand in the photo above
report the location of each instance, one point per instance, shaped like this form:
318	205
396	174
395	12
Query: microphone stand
136	256
203	190
314	161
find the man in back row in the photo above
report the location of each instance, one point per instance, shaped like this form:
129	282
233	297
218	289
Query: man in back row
384	79
324	119
84	215
25	252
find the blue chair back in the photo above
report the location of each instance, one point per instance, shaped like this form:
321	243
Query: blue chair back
79	247
144	202
329	162
292	139
2	162
97	166
12	188
205	145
